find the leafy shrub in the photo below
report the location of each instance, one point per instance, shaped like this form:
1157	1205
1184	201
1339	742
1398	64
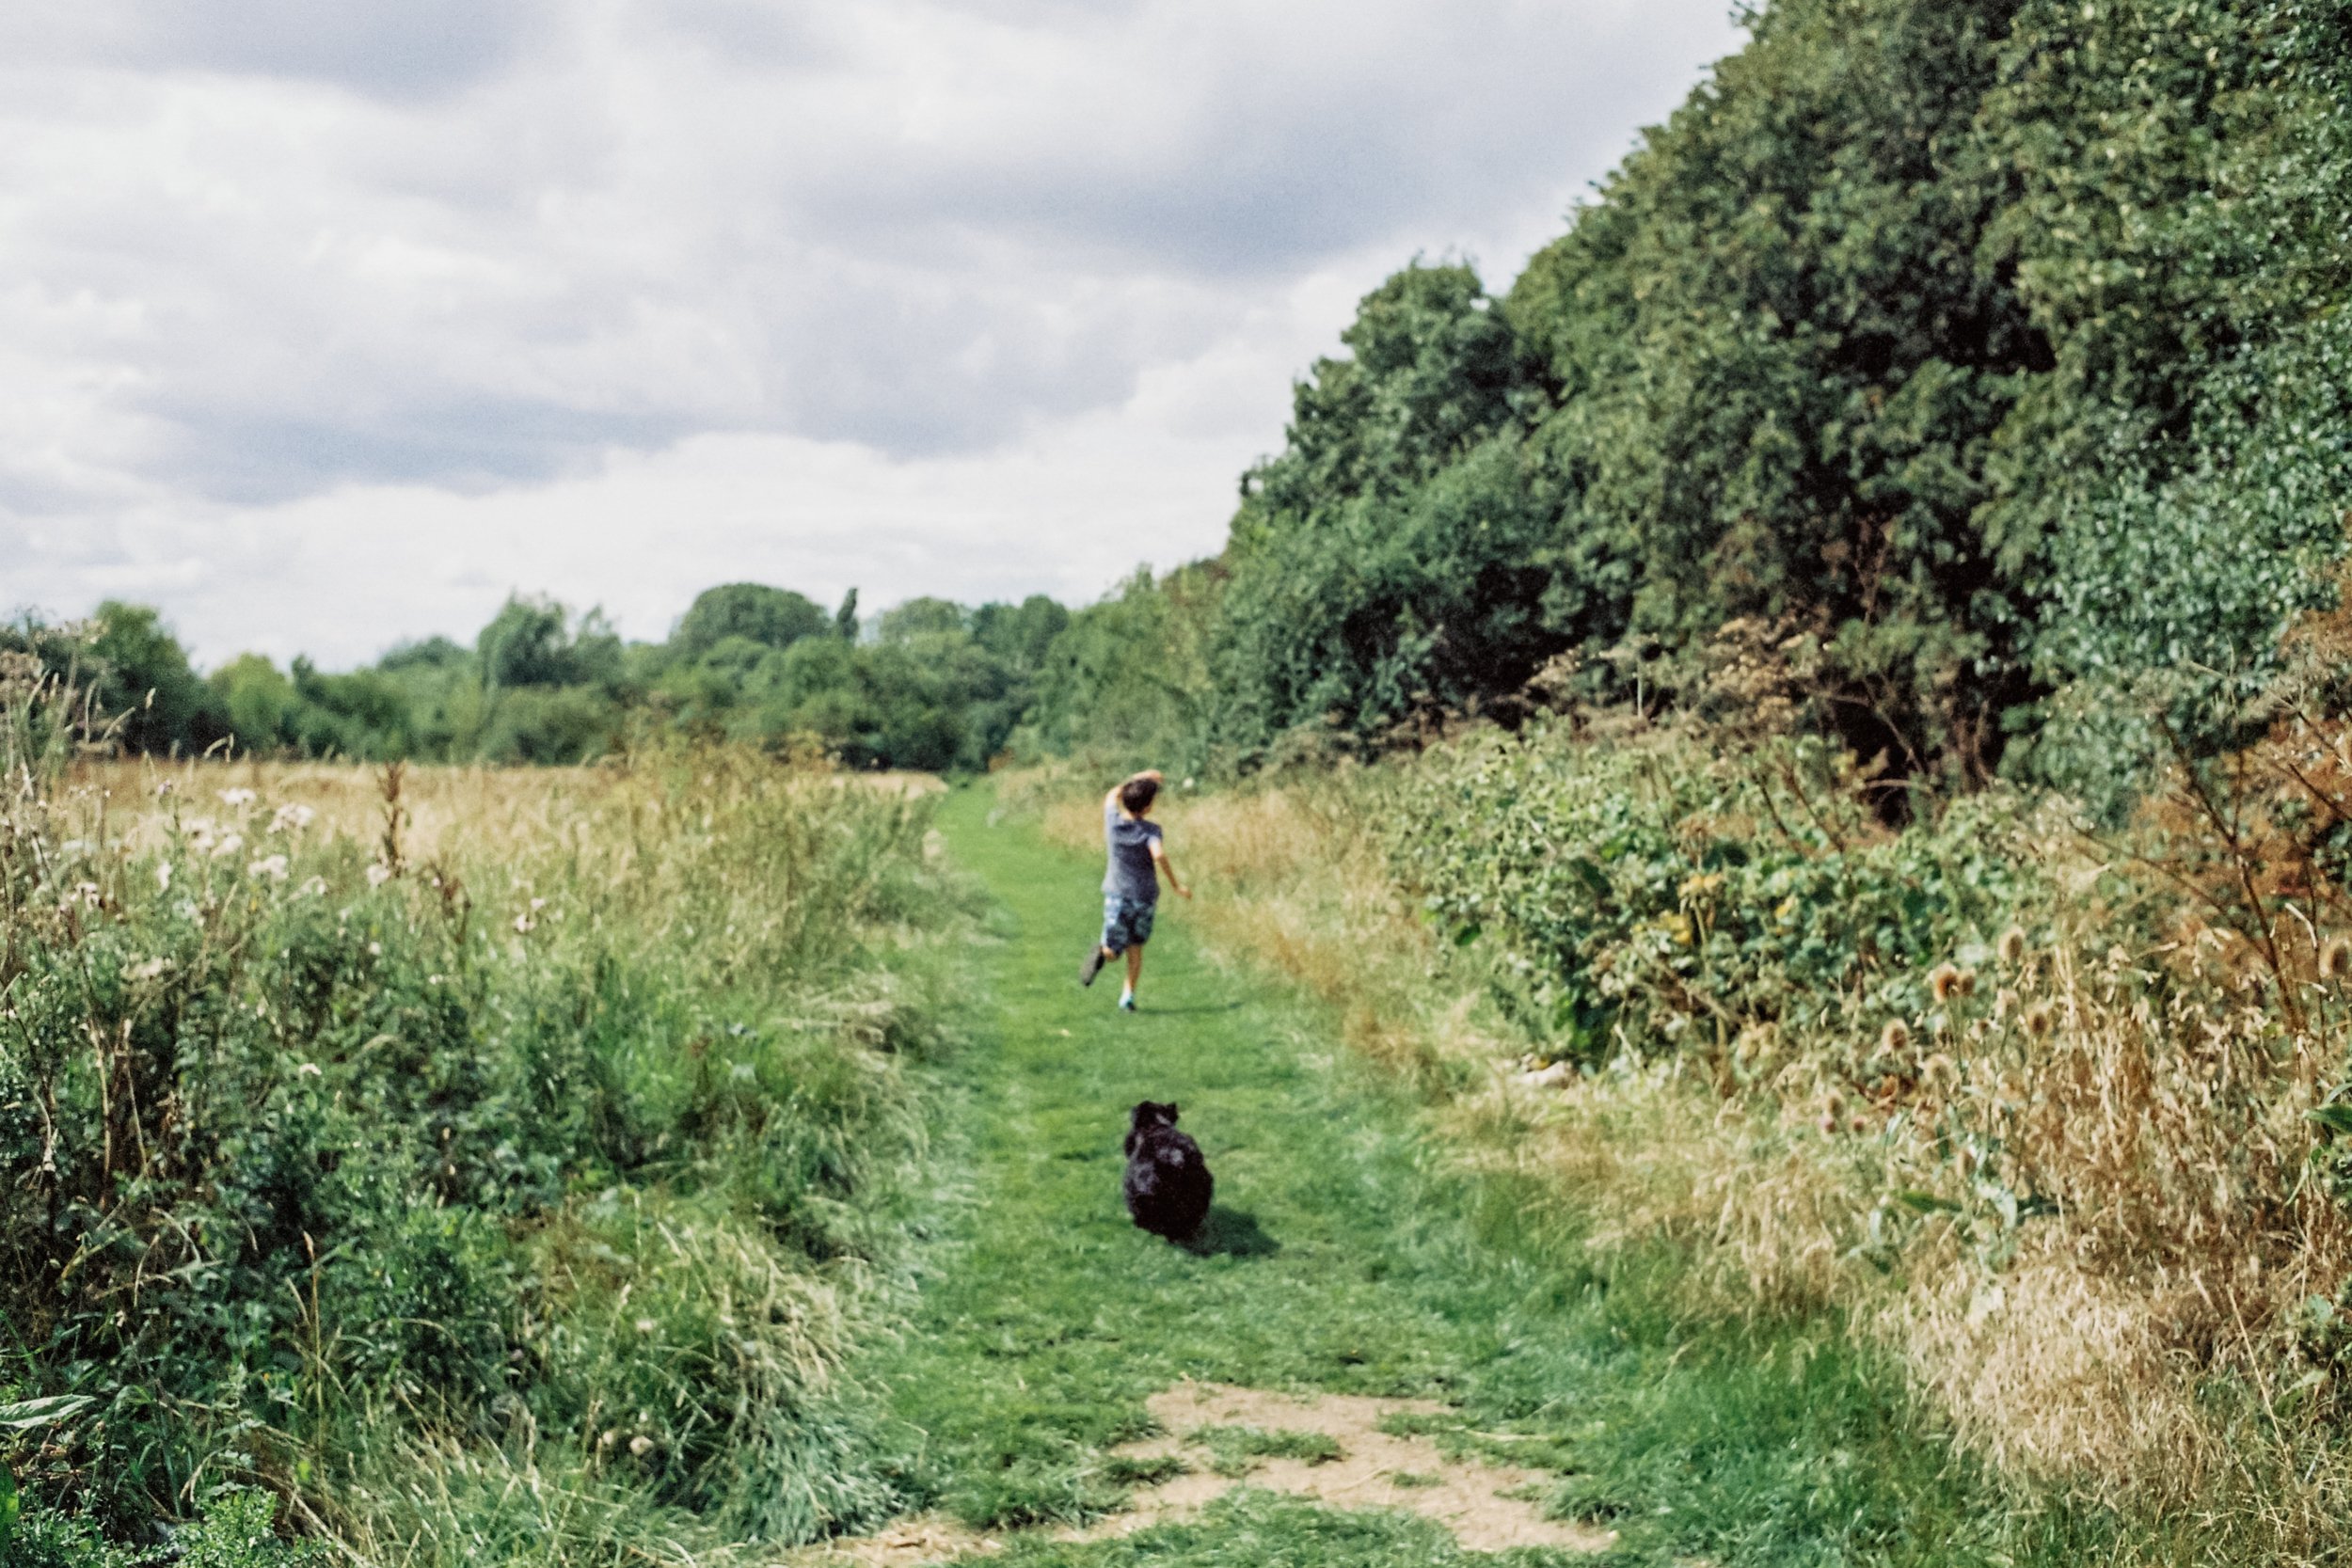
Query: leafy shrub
1661	891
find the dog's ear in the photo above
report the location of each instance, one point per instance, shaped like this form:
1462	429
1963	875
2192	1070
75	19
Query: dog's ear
1172	1113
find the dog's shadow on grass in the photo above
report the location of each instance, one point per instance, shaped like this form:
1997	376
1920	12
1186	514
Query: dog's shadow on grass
1231	1233
1196	1007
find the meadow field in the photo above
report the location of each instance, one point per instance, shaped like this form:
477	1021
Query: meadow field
706	1157
475	1162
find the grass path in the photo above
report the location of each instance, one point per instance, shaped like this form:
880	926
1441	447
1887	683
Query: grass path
1342	1256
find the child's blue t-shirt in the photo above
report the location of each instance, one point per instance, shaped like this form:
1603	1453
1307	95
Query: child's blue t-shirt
1131	876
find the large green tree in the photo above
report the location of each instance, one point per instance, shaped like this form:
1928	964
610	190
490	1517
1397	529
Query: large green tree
772	617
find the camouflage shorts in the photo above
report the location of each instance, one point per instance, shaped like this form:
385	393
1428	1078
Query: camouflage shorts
1126	922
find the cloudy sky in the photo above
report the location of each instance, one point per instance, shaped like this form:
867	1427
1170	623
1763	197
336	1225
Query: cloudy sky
325	326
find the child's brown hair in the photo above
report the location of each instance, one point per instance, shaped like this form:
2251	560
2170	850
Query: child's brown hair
1136	795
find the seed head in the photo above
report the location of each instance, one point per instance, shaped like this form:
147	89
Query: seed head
1949	980
1896	1038
1938	1069
2335	958
2011	947
2039	1019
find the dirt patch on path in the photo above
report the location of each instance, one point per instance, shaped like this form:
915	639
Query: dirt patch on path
1328	1447
1489	1507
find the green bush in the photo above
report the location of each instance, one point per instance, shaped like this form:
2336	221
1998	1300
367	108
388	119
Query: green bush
1668	892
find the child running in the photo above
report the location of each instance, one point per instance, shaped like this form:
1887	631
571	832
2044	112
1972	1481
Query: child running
1131	888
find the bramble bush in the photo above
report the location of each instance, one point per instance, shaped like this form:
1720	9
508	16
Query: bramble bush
1665	891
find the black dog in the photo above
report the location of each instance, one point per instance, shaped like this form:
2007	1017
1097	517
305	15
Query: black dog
1168	1181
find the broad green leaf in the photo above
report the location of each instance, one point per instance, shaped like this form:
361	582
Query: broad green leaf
27	1414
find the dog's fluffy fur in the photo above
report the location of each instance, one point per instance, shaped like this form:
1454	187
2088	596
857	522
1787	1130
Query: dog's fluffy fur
1168	1183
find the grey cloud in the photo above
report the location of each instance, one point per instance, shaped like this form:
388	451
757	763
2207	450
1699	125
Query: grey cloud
540	231
389	48
459	444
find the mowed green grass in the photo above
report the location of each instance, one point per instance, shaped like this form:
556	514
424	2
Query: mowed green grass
1346	1255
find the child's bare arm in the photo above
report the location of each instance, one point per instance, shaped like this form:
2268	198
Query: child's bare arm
1159	853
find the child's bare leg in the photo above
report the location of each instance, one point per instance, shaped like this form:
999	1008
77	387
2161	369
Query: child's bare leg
1135	967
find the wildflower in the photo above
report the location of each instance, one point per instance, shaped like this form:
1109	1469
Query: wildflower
1896	1038
314	888
2039	1019
2011	947
2335	958
147	969
272	867
378	874
376	950
525	924
645	1325
640	1445
163	876
290	817
233	799
228	845
308	1069
1943	982
608	1438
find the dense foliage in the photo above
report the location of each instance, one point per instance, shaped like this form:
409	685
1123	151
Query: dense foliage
1639	895
372	1167
1991	357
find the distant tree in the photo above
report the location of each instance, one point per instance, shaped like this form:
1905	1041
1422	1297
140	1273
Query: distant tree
917	616
1020	634
257	702
144	676
363	713
772	617
845	619
556	725
431	653
1128	678
534	642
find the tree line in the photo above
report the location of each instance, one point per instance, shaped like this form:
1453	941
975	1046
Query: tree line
1981	370
930	684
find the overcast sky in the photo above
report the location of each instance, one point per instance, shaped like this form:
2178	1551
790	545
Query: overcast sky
325	326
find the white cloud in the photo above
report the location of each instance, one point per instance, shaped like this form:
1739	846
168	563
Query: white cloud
321	333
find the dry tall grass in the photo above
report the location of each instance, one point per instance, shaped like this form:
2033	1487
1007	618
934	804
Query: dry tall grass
2161	1327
